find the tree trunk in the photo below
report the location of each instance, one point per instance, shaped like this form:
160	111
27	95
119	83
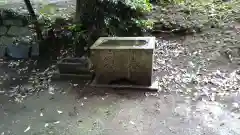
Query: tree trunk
34	19
78	12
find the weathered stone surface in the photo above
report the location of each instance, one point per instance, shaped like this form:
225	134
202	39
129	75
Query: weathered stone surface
3	30
4	40
19	31
18	51
24	40
35	49
14	31
74	66
117	61
2	51
16	22
15	35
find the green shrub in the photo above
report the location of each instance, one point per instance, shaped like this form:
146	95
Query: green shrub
112	18
105	18
115	17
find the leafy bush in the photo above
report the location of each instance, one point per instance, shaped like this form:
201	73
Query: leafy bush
115	17
112	18
99	18
167	2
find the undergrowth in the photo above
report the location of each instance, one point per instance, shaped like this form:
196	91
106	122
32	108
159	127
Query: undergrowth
100	18
195	16
135	17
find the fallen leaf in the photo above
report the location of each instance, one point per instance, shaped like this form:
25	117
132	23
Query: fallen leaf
51	90
46	125
56	122
235	105
27	129
60	112
131	122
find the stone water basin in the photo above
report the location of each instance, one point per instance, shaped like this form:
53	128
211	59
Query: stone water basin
130	58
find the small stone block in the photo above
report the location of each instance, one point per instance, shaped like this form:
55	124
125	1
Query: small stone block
35	50
19	31
74	66
2	51
4	40
3	30
58	76
16	22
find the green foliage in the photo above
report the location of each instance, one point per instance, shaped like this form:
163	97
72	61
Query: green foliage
167	2
115	17
48	11
51	11
103	18
112	18
140	5
195	16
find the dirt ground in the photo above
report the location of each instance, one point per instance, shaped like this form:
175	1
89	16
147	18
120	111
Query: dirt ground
59	7
198	94
117	113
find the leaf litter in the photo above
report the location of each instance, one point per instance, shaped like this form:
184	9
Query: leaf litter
59	112
26	70
39	78
184	66
27	129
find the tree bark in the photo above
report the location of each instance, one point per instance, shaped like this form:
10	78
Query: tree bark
78	12
34	19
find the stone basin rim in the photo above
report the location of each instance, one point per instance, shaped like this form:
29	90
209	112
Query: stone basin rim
149	45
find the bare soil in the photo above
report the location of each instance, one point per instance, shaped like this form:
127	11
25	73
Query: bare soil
198	78
197	94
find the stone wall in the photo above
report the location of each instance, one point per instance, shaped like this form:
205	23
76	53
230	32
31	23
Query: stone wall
15	31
